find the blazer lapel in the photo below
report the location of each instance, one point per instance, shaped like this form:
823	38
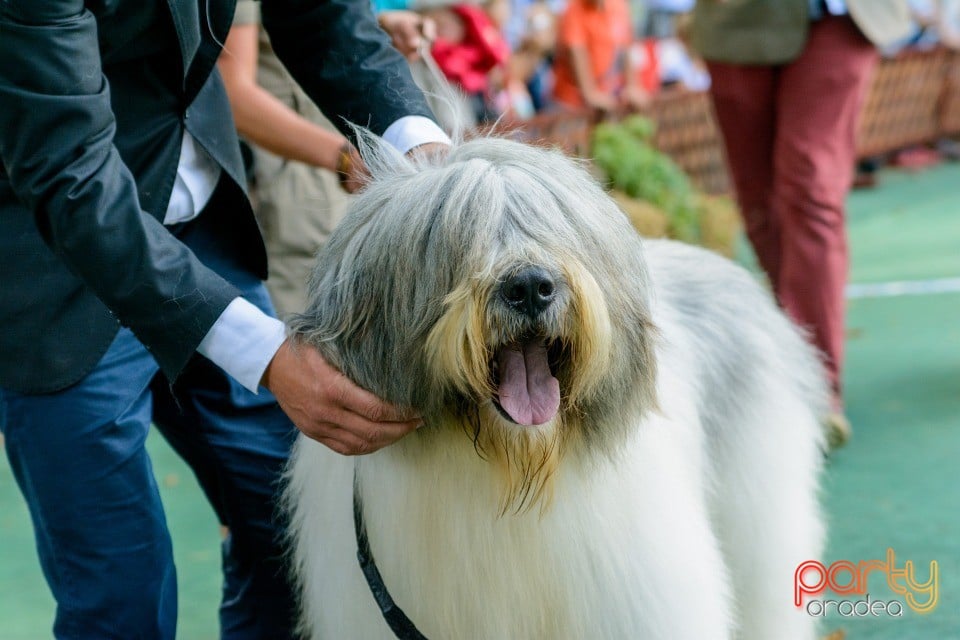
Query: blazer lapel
186	20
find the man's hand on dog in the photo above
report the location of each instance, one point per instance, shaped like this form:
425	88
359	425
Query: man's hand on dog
326	406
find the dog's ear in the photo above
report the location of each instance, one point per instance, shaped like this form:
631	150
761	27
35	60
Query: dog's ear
381	158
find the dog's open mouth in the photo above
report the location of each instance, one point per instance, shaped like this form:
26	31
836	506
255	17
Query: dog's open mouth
528	393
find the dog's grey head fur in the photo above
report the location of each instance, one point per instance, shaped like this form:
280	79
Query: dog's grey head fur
407	300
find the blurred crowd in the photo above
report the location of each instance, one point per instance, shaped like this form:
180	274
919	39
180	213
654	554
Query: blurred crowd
515	58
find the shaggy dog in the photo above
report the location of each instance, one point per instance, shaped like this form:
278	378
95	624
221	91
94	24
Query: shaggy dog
621	438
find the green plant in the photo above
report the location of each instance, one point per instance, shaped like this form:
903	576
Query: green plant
624	152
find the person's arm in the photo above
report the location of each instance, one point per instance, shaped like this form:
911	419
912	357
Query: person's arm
408	31
264	119
580	62
271	124
323	403
57	149
634	96
335	50
572	43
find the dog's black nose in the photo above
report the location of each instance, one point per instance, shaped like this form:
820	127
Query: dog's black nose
529	291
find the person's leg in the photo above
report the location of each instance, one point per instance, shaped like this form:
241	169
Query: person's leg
237	444
78	457
820	97
743	99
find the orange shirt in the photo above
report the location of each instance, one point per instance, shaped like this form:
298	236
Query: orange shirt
606	33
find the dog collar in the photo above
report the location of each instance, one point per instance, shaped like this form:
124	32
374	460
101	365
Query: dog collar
398	621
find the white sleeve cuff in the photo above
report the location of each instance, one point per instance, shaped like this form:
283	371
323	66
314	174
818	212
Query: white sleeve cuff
243	341
412	131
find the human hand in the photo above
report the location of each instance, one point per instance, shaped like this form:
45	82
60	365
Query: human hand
600	100
326	406
429	150
636	98
408	30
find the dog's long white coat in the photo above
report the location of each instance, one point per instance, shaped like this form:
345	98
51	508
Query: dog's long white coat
692	532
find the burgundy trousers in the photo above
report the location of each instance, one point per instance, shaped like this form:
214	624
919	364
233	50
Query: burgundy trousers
790	134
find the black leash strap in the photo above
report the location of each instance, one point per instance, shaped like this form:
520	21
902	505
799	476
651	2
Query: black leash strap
401	625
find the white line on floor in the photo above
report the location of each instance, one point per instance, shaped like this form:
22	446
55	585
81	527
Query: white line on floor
903	288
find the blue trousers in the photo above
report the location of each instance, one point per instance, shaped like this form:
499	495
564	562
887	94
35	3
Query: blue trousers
79	459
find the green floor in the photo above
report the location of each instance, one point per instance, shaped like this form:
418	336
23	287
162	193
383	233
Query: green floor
894	486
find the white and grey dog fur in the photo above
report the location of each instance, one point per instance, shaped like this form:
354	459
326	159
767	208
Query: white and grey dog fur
621	437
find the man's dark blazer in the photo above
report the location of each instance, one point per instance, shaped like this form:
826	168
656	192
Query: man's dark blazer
94	98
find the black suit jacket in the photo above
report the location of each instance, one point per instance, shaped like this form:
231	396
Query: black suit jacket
94	99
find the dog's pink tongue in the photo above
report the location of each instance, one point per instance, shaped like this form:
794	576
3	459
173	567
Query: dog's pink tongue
528	391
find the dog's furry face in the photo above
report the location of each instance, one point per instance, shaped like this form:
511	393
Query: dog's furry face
498	291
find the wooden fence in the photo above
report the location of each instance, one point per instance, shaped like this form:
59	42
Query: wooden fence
914	98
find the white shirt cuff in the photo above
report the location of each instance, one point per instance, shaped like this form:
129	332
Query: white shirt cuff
412	131
243	341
